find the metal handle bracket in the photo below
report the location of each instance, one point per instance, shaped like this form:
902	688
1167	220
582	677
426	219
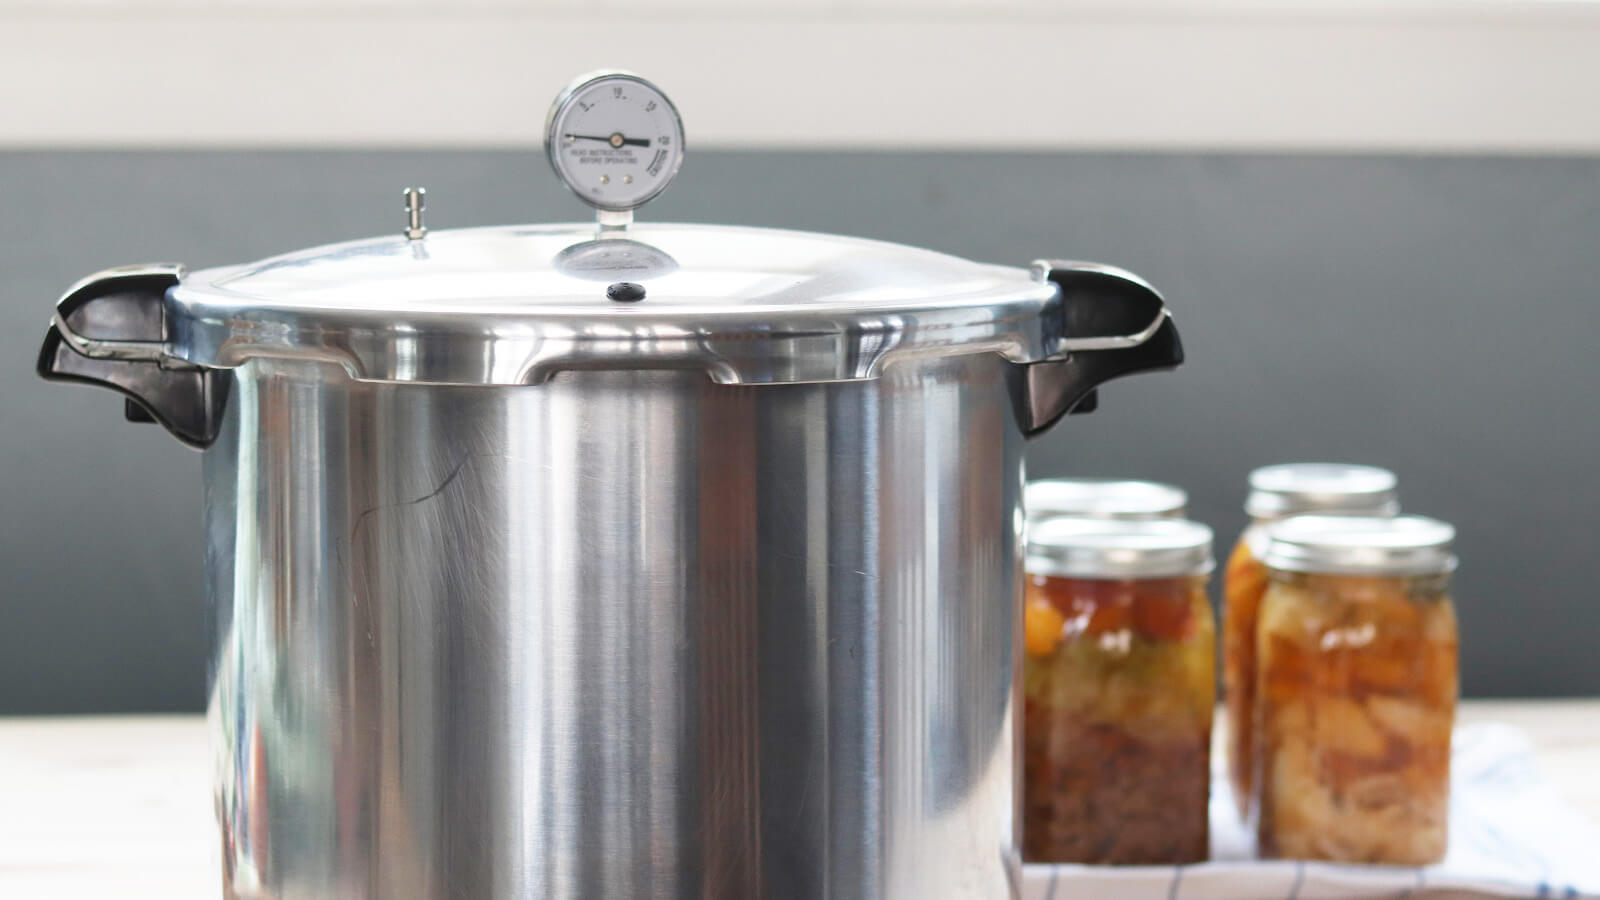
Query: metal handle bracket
110	330
1111	323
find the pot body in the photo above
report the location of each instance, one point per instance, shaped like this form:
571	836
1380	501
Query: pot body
623	634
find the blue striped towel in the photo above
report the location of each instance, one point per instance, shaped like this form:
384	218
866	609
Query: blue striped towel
1511	835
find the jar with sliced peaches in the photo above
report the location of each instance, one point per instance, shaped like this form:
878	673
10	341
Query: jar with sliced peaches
1356	690
1277	492
1118	692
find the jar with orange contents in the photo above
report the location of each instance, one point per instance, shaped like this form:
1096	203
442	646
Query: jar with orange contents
1356	690
1118	692
1275	493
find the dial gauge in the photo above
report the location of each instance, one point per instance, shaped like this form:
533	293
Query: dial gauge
615	139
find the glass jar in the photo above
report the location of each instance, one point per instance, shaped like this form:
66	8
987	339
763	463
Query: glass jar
1356	690
1118	692
1277	492
1102	498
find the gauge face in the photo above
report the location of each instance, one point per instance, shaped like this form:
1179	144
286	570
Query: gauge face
615	139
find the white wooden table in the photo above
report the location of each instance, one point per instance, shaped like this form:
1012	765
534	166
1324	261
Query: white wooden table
120	806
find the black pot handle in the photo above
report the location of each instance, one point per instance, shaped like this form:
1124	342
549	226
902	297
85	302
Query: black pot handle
110	330
1111	324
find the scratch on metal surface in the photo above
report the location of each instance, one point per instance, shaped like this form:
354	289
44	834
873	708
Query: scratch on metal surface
365	514
833	566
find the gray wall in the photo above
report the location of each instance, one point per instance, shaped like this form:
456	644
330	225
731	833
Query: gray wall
1435	315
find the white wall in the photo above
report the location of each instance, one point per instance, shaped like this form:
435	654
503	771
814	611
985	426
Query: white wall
1408	75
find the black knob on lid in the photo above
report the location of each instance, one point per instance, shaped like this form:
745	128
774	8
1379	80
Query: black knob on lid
625	292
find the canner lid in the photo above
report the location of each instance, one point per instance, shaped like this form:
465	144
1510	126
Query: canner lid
1324	488
513	305
1116	549
1361	545
1108	498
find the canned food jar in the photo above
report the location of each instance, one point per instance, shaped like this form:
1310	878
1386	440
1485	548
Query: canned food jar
1356	684
1103	498
1277	492
1119	688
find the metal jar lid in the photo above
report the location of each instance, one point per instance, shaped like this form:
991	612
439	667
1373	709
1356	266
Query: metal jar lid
1103	498
1360	545
512	305
1118	548
1326	488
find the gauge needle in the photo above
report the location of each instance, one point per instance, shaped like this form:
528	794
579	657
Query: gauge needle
615	140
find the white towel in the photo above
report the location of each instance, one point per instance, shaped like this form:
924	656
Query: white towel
1510	836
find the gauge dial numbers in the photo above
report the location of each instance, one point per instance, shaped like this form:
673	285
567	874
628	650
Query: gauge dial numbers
615	139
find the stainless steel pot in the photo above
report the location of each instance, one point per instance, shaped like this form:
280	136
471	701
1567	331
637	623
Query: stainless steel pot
671	562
